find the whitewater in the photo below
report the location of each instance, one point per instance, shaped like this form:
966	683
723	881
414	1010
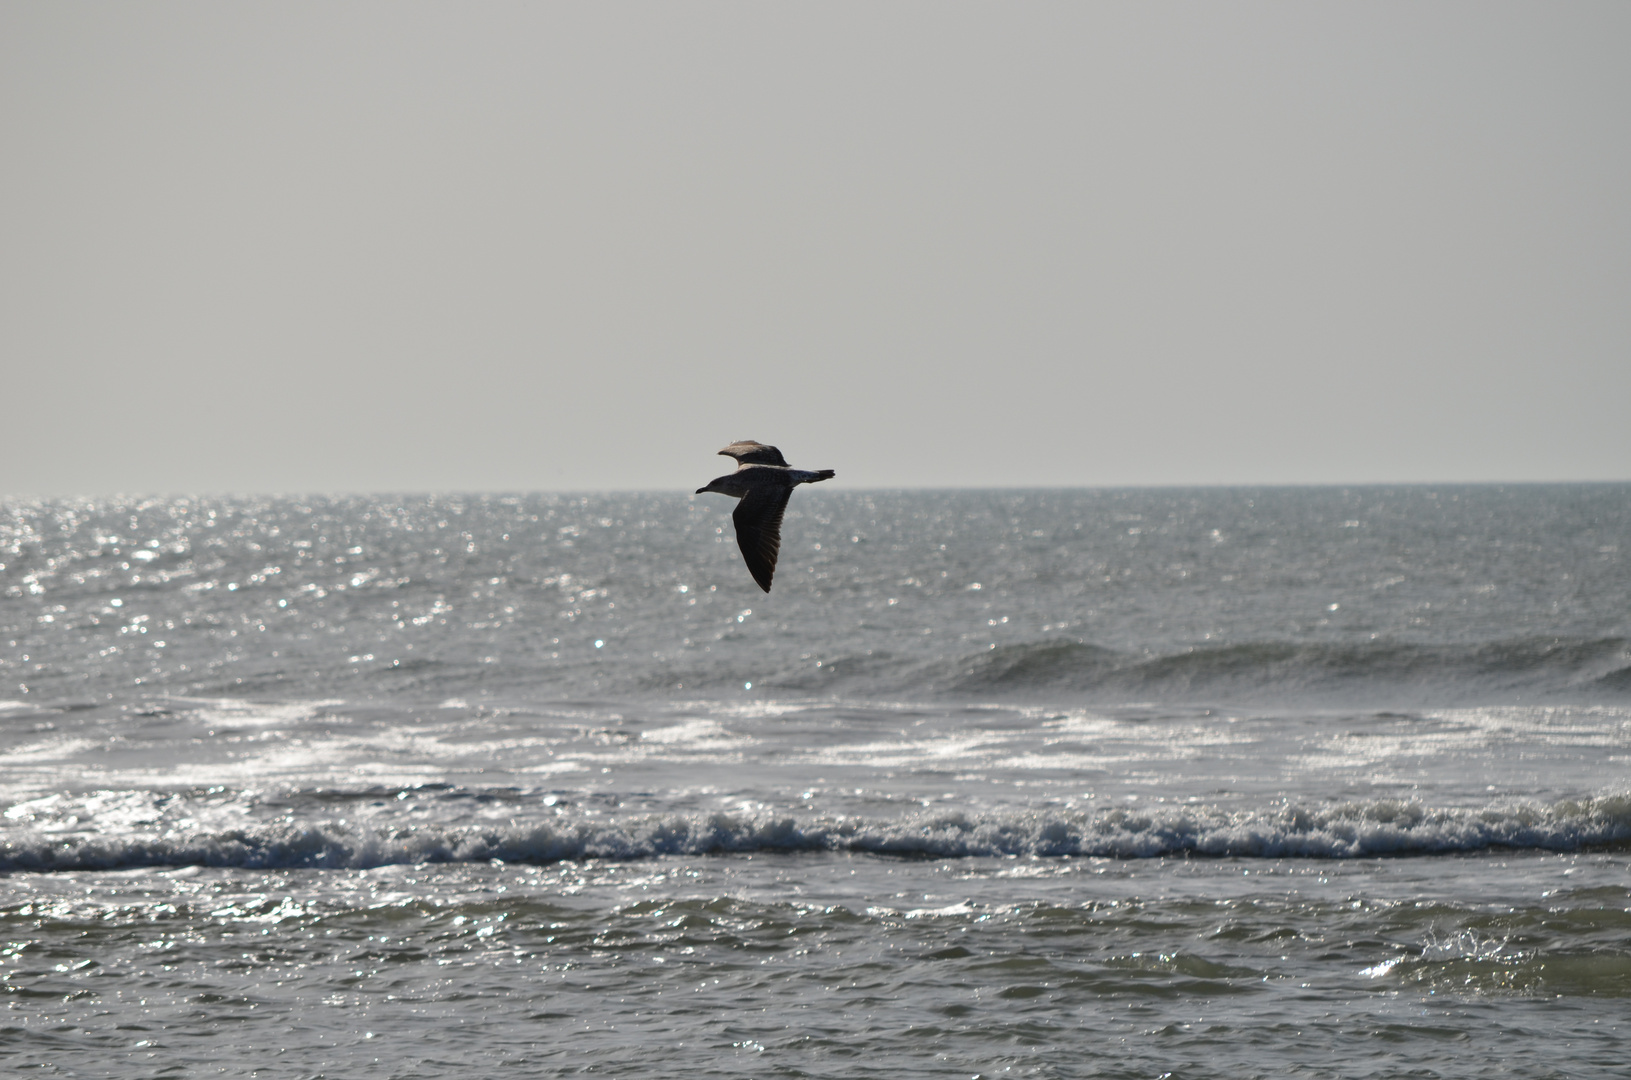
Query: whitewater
1210	782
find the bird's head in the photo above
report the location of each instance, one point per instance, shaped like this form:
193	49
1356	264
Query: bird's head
724	485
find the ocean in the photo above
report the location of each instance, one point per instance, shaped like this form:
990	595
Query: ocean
1225	782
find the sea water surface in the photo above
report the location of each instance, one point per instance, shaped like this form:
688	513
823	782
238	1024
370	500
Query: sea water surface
1129	783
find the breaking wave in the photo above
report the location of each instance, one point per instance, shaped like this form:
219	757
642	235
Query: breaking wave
1334	831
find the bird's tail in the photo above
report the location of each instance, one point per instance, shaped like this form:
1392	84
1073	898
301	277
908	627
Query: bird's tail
823	474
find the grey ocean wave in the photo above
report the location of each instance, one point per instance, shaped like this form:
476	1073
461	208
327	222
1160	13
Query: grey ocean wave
1341	830
1581	669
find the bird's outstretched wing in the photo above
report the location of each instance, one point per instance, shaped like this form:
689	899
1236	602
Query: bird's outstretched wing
748	452
758	520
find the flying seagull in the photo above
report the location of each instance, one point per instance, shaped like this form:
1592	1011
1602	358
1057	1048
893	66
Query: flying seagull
764	482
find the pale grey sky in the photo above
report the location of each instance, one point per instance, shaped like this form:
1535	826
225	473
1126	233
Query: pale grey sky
435	246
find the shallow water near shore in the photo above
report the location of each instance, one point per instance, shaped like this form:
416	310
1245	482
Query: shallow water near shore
1319	782
800	965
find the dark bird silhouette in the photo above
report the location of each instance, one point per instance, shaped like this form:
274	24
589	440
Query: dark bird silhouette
764	482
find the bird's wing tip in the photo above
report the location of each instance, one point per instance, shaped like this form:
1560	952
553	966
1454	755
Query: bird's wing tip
753	452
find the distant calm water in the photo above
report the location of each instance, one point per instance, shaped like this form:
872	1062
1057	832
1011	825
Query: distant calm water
1209	783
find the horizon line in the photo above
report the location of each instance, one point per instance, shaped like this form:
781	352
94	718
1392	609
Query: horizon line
8	497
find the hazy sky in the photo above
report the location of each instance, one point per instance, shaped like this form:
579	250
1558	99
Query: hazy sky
322	247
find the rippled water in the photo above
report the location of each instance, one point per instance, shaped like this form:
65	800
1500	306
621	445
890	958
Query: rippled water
829	965
1208	783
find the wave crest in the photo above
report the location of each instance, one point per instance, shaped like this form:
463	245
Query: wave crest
1335	831
1594	666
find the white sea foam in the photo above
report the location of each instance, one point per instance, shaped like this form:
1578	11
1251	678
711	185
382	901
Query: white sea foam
236	712
693	733
1336	831
49	750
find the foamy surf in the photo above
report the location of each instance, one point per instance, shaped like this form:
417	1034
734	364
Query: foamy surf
49	835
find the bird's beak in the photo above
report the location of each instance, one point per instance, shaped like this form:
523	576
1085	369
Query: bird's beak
702	491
